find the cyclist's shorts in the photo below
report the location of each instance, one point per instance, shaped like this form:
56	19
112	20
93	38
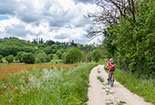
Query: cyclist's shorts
111	70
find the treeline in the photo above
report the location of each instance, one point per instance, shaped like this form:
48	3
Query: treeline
16	50
129	34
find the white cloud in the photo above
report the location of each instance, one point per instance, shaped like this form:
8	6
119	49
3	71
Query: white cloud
59	20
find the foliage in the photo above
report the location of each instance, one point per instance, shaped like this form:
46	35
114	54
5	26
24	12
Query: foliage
19	56
42	56
13	46
59	54
50	50
28	58
37	60
73	55
1	58
88	57
96	55
55	57
132	44
10	58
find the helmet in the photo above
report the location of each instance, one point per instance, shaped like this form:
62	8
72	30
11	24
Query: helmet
112	62
110	59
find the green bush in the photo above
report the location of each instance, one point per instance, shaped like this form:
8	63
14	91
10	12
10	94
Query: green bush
42	56
88	57
19	56
96	55
51	56
37	60
73	55
1	58
10	58
59	54
28	58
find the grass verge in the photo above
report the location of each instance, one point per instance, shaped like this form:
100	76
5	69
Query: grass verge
139	86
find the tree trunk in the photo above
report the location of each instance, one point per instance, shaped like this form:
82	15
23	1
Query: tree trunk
133	11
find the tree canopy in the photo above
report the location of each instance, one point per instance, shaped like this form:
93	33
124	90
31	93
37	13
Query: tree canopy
129	33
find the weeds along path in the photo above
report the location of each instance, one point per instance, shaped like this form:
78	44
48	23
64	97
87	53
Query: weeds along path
100	93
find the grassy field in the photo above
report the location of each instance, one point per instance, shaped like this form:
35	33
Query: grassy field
44	84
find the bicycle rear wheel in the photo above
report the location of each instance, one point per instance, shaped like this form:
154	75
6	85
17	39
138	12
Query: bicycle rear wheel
112	80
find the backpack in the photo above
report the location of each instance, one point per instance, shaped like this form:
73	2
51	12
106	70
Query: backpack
112	67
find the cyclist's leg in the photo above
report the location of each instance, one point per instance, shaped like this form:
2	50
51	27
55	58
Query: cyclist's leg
113	75
109	74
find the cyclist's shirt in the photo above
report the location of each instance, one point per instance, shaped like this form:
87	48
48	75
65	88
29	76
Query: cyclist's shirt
111	66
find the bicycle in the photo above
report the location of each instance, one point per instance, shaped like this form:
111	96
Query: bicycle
111	79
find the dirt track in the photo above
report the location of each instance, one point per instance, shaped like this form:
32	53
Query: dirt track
100	93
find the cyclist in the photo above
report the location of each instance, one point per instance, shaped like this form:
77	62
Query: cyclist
111	66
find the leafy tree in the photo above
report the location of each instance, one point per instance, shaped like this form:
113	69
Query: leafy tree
55	57
131	41
28	58
48	50
14	45
42	56
51	56
88	57
10	58
1	58
73	55
59	54
19	56
96	55
37	60
49	42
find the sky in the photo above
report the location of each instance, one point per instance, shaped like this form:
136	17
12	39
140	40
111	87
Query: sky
58	20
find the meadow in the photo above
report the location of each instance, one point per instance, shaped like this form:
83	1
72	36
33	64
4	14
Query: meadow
43	84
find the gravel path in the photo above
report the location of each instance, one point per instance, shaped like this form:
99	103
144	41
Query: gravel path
100	93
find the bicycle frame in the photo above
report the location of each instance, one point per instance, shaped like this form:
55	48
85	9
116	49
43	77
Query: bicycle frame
111	79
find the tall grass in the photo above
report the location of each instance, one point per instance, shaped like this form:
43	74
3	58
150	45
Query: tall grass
139	86
63	86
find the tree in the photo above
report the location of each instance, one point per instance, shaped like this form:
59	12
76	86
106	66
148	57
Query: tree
42	56
59	54
131	42
88	57
28	58
10	58
49	42
51	56
19	56
1	58
73	55
111	12
96	55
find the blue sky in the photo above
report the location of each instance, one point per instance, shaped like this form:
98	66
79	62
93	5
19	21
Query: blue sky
4	18
58	20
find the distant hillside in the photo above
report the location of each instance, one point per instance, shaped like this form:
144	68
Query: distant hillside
11	46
